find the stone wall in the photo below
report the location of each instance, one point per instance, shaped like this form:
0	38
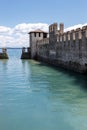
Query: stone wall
26	53
3	54
66	49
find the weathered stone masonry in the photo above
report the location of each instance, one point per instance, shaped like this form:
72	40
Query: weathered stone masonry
3	54
65	49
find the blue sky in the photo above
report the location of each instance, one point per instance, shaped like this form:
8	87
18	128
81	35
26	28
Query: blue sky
70	12
18	17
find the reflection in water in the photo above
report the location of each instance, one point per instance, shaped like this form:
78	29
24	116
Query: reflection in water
38	97
66	90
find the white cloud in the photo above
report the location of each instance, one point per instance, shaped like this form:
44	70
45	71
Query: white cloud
4	29
18	36
75	27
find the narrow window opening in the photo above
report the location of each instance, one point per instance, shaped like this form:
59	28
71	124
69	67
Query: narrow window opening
44	35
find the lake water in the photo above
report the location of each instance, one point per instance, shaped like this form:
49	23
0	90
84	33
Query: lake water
34	96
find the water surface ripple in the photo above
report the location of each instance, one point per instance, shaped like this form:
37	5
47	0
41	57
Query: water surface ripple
34	96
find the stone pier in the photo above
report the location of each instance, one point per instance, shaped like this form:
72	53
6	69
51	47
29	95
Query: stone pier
26	54
3	54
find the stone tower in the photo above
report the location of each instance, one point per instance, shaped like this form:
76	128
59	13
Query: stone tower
34	36
52	32
61	28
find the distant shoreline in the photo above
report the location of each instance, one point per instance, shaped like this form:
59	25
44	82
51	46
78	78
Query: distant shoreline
10	48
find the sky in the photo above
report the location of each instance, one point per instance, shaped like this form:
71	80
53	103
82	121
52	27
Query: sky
18	17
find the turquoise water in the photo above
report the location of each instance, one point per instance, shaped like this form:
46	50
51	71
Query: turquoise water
34	96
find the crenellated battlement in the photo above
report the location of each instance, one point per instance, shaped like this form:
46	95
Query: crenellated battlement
58	35
53	28
74	35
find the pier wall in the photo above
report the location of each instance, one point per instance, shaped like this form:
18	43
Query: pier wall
3	54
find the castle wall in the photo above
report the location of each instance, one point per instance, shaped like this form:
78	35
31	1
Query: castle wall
68	49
